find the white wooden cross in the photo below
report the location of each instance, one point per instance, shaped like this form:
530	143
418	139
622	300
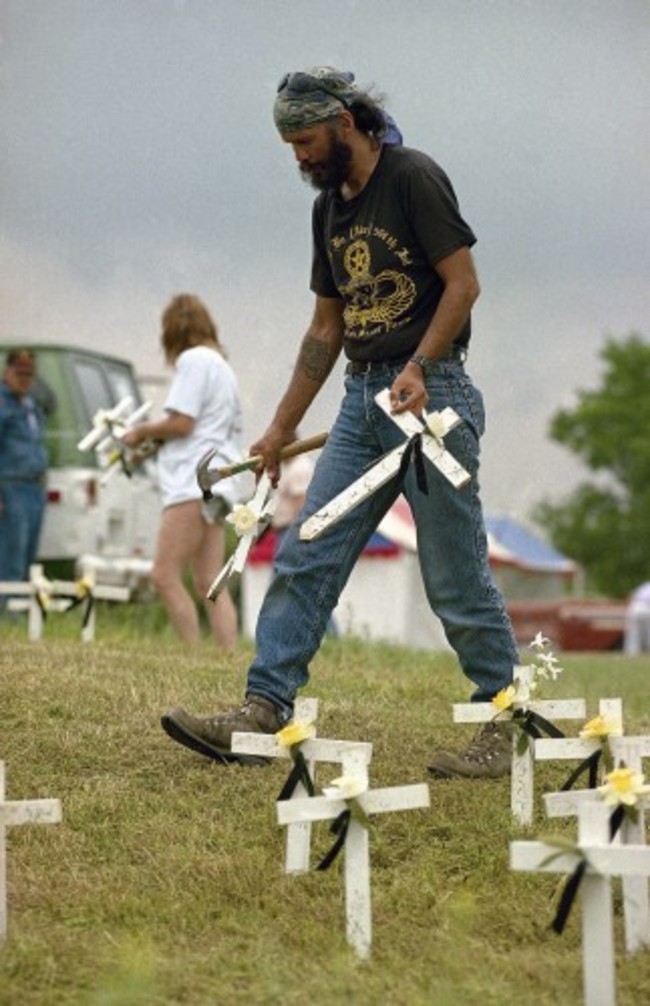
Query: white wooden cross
605	860
261	507
436	426
356	850
353	757
56	594
14	812
579	748
523	770
104	437
629	751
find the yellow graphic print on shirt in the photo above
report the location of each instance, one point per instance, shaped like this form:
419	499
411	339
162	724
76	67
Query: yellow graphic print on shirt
373	303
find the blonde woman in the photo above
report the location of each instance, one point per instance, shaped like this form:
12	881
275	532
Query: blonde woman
202	412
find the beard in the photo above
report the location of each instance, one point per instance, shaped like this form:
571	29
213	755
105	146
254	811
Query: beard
332	172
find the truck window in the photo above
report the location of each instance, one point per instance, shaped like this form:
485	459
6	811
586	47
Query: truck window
94	388
122	383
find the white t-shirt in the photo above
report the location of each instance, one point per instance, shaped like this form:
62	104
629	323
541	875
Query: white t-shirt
204	387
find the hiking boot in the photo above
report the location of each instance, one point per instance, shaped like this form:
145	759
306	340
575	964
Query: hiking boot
488	756
211	735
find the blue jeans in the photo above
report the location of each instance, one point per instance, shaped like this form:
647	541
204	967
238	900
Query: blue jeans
21	514
308	577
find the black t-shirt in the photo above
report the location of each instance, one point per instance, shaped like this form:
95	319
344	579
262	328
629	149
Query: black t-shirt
378	251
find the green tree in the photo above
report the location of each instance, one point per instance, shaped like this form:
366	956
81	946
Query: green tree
605	526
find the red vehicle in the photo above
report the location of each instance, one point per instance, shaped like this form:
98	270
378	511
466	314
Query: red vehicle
572	624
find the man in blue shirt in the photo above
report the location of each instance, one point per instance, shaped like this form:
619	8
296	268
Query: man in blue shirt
23	463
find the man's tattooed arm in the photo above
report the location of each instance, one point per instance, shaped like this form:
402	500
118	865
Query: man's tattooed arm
314	359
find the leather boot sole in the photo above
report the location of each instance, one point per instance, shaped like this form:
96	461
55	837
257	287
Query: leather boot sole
185	737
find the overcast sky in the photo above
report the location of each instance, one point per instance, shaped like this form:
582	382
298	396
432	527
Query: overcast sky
138	159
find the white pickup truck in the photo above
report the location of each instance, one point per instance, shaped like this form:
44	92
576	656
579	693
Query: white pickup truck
115	519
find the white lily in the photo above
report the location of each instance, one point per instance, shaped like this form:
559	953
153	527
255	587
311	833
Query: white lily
436	426
244	519
548	666
539	642
346	787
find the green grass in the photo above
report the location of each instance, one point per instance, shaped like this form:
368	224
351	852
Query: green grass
164	884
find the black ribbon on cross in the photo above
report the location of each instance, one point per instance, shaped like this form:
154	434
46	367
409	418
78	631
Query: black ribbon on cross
568	896
589	765
299	773
573	883
414	452
89	599
535	725
339	828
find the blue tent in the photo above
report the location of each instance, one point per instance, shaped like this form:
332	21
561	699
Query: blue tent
512	544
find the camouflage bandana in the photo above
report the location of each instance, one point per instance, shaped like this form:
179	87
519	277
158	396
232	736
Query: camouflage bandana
311	96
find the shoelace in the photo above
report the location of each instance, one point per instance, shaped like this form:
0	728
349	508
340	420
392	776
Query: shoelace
479	749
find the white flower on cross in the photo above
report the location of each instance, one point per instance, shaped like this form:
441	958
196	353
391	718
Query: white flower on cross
244	519
346	787
540	642
436	426
546	665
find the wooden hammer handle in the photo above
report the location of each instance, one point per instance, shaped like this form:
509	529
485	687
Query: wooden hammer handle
290	451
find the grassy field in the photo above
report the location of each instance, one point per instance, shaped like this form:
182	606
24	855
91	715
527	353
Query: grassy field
165	883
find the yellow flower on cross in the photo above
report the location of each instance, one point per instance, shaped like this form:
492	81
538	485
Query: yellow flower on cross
623	786
294	733
84	586
43	588
600	728
505	698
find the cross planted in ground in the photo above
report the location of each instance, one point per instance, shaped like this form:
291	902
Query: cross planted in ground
353	757
523	768
39	594
16	812
628	751
356	850
604	860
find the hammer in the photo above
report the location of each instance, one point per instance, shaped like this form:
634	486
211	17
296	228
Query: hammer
207	478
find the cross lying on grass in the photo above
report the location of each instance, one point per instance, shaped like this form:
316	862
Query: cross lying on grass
522	782
356	849
628	751
15	812
353	757
38	596
432	432
602	860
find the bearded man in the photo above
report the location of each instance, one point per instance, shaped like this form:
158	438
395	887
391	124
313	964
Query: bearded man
394	284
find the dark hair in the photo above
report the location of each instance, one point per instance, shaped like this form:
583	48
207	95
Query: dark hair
368	115
19	355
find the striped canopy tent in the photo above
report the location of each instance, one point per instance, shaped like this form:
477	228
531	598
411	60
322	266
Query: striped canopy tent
522	564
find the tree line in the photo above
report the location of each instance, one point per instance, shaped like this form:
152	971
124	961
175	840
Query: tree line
604	523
